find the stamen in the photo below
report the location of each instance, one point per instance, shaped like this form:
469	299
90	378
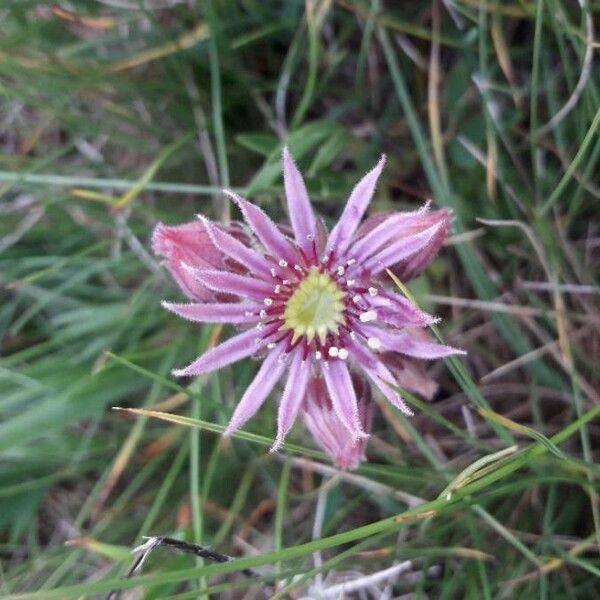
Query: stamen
273	272
318	355
367	316
315	308
263	313
310	237
277	289
268	301
248	313
283	263
325	259
298	268
351	262
341	270
372	291
260	326
356	299
271	345
343	353
374	343
333	351
351	282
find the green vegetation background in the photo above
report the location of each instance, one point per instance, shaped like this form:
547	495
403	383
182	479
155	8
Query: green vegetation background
116	114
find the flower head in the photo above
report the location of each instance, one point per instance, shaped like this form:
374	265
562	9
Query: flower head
314	304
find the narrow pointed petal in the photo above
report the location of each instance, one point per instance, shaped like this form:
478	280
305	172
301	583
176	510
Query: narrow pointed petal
379	374
394	309
293	395
413	266
235	249
232	283
408	344
224	354
302	216
401	249
216	312
256	393
389	229
321	419
361	195
343	396
265	229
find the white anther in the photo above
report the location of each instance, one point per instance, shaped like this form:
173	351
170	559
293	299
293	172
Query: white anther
351	282
298	268
374	343
263	313
343	353
351	262
277	289
369	315
325	260
249	313
271	345
341	270
283	358
260	326
318	355
310	237
273	272
282	263
356	299
352	335
372	291
268	301
333	351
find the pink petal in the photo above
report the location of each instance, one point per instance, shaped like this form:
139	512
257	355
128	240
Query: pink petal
292	398
389	229
343	396
401	249
268	233
187	244
361	195
232	283
409	344
327	430
379	374
394	309
235	249
302	217
256	393
413	266
406	344
216	312
224	354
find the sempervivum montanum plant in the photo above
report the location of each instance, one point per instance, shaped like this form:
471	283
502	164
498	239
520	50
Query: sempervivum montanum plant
314	306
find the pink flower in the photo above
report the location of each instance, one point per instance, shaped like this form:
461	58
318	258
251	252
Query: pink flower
191	244
315	305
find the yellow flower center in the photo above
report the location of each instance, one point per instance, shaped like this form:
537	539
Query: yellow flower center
315	308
